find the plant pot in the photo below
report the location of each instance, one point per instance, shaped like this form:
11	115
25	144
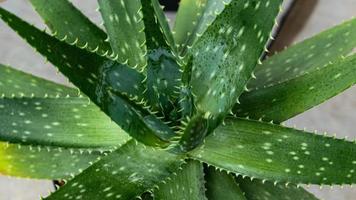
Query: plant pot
170	5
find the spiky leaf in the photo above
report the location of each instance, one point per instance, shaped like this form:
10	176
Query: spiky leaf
226	54
163	80
88	71
221	185
188	15
107	83
163	21
163	71
157	31
188	184
287	99
44	162
125	28
65	122
256	190
306	56
126	173
276	153
17	83
49	117
193	18
223	59
69	24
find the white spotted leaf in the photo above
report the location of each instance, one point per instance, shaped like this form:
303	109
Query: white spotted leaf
271	152
220	185
258	190
125	28
126	173
228	51
110	85
193	18
188	15
187	184
222	60
68	23
285	100
15	83
162	71
59	122
44	162
163	21
306	56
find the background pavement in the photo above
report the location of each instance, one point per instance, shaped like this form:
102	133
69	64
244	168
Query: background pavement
335	116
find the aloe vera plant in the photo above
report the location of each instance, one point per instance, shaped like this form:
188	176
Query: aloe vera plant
193	113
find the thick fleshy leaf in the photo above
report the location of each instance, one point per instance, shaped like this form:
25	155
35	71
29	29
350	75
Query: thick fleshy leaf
163	72
163	21
306	56
64	122
44	162
223	59
69	24
125	28
221	185
42	113
193	18
285	100
188	184
256	190
124	174
271	152
27	120
88	71
107	83
188	15
154	34
17	83
226	54
157	31
163	80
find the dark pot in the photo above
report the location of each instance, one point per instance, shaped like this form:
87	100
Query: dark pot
170	5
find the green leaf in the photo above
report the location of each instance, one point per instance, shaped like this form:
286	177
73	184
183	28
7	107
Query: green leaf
108	84
88	71
69	24
221	185
306	56
126	173
17	83
192	134
193	18
271	152
226	54
124	25
163	71
188	184
287	99
223	59
156	30
147	196
44	123
257	190
162	19
188	15
64	122
24	119
163	80
44	162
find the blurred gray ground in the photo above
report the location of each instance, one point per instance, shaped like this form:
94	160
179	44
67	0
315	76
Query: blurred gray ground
335	116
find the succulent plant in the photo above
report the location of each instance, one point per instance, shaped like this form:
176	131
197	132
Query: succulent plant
193	113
